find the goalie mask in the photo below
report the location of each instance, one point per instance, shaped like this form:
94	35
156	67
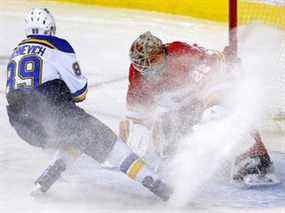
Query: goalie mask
147	54
39	21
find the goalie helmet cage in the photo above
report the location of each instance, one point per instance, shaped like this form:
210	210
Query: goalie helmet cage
271	13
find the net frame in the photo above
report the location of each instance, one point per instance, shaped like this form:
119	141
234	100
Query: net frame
272	13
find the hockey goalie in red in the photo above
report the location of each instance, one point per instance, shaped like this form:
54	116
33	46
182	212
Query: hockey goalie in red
172	88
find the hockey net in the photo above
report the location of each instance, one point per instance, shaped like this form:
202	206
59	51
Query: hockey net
244	17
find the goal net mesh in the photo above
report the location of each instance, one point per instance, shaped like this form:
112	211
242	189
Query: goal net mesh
265	19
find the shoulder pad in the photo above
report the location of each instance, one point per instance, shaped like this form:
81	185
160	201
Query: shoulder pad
51	41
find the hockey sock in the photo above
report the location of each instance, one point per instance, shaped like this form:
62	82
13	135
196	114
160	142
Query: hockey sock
129	163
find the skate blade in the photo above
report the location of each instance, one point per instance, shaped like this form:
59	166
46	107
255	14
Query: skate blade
254	181
37	192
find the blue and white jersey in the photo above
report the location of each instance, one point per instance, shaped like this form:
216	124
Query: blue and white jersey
39	59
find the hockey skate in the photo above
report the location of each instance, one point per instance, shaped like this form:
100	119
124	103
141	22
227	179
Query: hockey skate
158	187
37	191
255	171
48	178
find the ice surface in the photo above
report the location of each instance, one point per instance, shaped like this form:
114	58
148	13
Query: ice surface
101	38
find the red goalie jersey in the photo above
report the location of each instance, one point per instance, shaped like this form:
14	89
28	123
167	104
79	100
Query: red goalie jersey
181	65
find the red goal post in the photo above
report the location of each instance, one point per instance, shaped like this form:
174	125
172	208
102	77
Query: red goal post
233	21
271	12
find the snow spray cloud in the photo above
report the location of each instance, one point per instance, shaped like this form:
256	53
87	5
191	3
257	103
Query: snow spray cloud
204	150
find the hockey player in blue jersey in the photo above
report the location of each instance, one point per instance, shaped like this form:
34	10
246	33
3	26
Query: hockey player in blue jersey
44	83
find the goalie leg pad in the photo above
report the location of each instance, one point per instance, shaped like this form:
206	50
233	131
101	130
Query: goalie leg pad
137	136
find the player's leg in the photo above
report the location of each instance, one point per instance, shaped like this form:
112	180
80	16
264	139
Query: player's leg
106	146
123	158
33	132
90	136
27	128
